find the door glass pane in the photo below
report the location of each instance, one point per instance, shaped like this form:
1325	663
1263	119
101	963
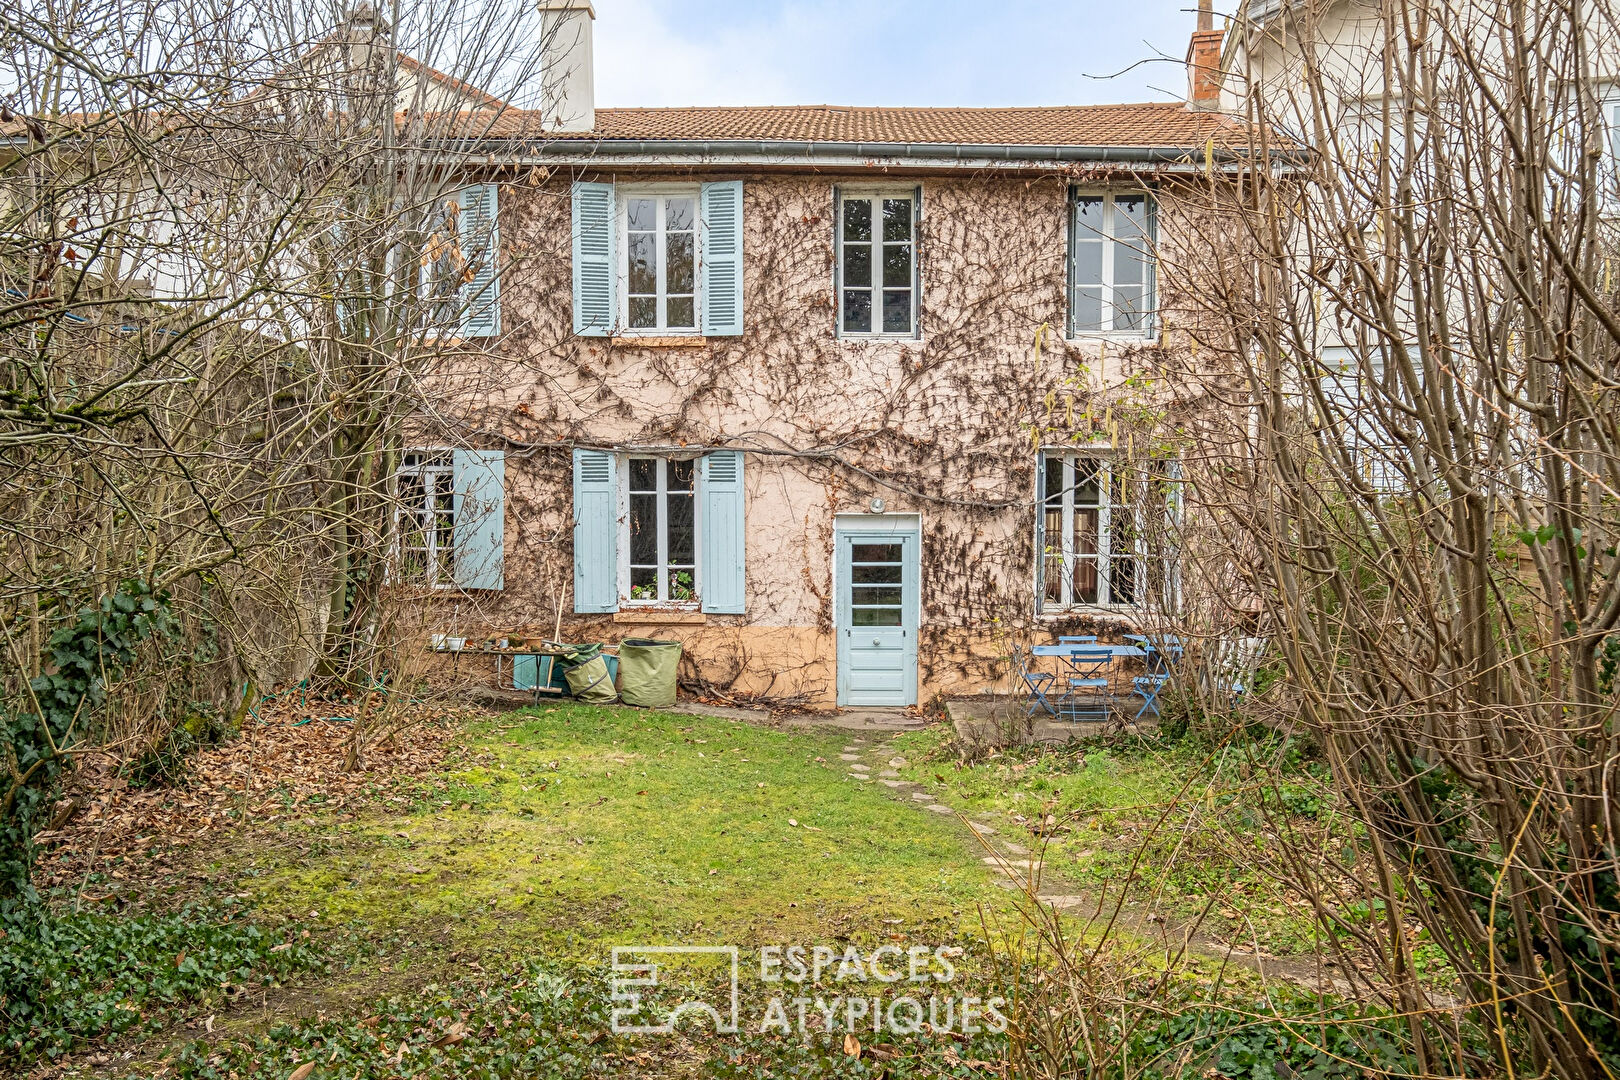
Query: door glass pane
643	272
876	553
896	265
896	311
643	529
680	530
858	265
678	214
896	219
643	474
1085	481
678	269
869	595
857	220
642	214
1088	217
1088	308
882	616
858	311
1085	581
1088	262
681	315
643	312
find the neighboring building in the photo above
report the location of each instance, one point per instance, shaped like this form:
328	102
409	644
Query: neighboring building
767	380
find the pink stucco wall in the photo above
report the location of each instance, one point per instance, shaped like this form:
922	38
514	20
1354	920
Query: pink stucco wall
944	426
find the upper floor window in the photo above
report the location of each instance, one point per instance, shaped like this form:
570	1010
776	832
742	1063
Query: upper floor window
661	529
460	264
877	263
1111	270
1106	531
660	260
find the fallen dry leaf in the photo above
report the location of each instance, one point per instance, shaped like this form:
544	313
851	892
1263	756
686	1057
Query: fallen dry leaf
302	1071
852	1045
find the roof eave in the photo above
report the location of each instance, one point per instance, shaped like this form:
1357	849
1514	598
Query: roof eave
785	152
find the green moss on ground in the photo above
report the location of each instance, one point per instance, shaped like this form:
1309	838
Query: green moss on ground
1172	823
578	828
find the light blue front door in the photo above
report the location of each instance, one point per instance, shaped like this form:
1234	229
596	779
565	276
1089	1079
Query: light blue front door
876	580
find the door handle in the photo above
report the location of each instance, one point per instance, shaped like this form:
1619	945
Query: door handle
877	641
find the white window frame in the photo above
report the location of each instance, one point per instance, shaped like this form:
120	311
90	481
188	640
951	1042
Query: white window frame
623	194
1149	329
1106	458
875	196
662	600
436	478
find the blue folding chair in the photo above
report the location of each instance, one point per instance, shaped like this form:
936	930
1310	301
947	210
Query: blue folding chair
1088	698
1160	657
1039	684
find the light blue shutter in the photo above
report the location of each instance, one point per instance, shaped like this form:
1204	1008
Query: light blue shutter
478	480
596	532
723	578
722	259
477	231
594	271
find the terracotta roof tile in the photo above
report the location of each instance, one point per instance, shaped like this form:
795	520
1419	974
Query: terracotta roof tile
1150	124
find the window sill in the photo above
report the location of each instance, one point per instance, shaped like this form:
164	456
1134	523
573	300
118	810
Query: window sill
660	616
1123	612
667	341
1129	337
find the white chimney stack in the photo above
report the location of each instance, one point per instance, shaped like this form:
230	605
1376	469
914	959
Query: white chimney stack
565	67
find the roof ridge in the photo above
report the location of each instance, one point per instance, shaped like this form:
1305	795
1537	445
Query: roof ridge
897	108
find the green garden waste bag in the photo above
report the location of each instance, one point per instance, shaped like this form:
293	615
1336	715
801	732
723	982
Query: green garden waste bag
647	672
591	681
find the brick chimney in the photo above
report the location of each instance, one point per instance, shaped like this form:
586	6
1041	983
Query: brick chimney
569	78
1204	61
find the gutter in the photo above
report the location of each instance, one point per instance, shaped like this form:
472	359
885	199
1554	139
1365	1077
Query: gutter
970	155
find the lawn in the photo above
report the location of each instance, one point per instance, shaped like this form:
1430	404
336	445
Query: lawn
466	929
579	828
1176	826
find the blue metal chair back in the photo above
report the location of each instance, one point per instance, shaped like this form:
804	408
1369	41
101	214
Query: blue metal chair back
1038	684
1090	663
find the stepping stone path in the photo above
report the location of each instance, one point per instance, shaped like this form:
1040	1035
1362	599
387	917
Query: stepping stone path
922	796
890	773
1014	848
858	776
849	757
897	763
861	767
938	809
852	749
892	783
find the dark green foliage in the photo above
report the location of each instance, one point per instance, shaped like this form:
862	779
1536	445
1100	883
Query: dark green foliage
1313	1041
84	656
66	980
531	1024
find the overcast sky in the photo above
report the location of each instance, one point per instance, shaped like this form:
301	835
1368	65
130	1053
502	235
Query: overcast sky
899	52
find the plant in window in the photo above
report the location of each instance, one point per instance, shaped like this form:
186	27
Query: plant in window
680	586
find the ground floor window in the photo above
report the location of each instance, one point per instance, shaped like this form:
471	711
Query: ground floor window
1106	532
661	529
424	518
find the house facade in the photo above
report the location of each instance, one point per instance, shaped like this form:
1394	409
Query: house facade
840	398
